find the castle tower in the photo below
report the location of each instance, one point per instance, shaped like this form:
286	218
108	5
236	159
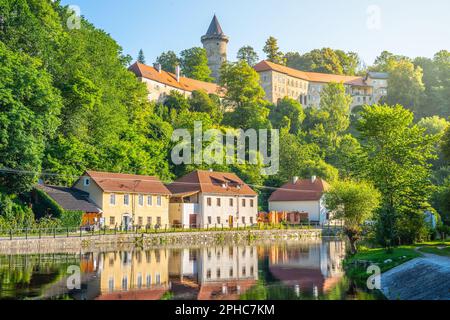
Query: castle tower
215	43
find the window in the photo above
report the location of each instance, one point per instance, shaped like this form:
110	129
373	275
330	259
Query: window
208	274
126	199
149	221
231	272
139	281
149	280
252	271
87	182
218	220
231	202
243	202
140	221
111	284
244	271
218	202
158	201
158	278
112	199
209	220
112	221
208	201
251	220
149	200
125	283
218	273
252	203
158	221
141	200
243	220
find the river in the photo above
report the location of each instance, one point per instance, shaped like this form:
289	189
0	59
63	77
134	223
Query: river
297	270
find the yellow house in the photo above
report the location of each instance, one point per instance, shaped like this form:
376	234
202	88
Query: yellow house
126	199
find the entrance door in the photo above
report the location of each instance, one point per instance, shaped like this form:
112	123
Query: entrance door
231	221
192	221
126	222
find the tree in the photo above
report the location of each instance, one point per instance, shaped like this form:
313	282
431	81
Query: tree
434	125
325	60
405	85
168	61
248	54
288	112
200	101
241	83
194	64
273	52
396	162
28	118
354	203
446	144
141	57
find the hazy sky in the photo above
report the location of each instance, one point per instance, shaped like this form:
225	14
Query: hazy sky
408	27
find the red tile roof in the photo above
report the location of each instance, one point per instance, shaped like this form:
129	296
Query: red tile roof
302	190
308	76
167	78
120	182
211	182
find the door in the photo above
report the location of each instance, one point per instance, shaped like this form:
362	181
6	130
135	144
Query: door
193	221
126	222
231	221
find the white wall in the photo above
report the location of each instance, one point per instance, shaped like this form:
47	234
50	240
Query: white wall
312	207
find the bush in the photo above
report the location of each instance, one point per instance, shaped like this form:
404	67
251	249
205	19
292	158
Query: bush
71	219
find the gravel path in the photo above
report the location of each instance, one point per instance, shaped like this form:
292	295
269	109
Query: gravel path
424	278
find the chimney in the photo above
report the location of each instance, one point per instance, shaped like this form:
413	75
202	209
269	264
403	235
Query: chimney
313	179
177	73
294	180
158	67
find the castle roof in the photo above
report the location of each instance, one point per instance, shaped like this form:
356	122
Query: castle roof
309	76
214	28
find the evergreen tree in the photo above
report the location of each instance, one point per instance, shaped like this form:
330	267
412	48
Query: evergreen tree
273	52
141	57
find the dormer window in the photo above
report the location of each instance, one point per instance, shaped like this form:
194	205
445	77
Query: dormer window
224	185
87	182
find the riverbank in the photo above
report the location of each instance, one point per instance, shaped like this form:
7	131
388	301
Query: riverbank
148	240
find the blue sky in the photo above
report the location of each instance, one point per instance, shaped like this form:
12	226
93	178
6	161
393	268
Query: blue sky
408	27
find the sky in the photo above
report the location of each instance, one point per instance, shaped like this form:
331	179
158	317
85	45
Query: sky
407	27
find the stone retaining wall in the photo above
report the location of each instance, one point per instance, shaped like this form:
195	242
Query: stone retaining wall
115	242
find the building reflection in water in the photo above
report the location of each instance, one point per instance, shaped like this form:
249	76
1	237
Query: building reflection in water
311	268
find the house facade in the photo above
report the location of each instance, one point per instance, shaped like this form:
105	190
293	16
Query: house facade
280	81
125	199
203	199
302	195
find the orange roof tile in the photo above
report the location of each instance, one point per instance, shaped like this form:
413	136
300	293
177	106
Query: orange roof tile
309	76
167	78
211	182
120	182
302	190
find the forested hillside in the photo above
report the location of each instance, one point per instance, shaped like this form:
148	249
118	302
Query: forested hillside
68	103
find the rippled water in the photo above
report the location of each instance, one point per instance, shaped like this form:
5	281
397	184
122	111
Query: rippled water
282	270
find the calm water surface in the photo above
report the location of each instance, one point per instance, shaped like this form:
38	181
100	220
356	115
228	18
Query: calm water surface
281	270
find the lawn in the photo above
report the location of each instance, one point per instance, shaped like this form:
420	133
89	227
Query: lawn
438	248
356	266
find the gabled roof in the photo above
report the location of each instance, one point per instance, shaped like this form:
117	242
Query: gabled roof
214	28
308	76
120	182
378	75
212	183
170	79
70	199
302	190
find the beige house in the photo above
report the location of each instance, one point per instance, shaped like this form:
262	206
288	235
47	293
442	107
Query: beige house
279	81
302	195
204	199
125	199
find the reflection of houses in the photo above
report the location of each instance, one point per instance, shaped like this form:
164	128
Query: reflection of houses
300	197
207	198
213	273
312	268
133	275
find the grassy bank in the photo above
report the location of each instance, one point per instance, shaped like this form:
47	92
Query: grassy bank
356	265
439	248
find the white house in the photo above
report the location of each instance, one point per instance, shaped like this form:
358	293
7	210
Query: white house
305	195
212	199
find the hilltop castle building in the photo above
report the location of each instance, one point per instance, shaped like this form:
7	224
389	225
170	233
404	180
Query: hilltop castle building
277	81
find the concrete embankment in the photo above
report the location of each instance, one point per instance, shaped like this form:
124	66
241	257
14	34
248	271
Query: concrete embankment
86	243
424	278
